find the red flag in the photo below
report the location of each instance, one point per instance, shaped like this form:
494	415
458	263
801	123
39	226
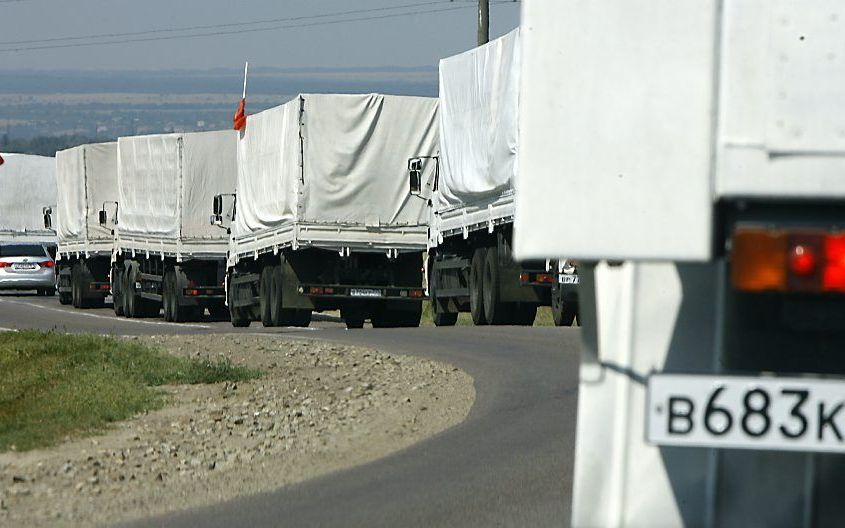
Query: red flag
239	119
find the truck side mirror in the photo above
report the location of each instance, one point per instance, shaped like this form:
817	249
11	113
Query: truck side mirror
415	175
102	217
217	206
216	220
48	219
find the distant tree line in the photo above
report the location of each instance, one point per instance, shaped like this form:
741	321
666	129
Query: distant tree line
43	145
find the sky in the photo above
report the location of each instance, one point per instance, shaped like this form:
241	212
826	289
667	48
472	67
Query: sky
408	41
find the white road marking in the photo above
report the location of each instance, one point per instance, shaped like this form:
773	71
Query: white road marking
109	318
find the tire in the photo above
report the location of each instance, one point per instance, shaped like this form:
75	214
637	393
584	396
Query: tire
279	315
476	287
116	278
438	314
75	293
265	286
563	312
302	318
495	311
179	313
353	317
524	314
168	285
237	316
126	290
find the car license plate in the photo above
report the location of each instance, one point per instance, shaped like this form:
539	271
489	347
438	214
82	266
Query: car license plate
24	266
795	414
364	292
567	279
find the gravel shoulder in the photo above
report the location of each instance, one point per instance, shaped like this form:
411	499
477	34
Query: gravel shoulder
319	407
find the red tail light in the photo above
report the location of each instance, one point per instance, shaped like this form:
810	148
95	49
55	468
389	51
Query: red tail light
788	261
48	264
5	264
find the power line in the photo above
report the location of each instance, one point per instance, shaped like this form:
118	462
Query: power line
213	26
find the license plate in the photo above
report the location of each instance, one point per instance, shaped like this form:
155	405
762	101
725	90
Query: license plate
24	266
792	414
364	292
567	279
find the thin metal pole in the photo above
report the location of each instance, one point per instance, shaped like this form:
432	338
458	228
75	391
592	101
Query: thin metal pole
483	21
246	70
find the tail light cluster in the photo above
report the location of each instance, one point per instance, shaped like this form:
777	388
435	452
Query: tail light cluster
809	261
48	264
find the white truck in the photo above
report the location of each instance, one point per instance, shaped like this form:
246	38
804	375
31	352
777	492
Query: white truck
705	143
27	185
86	179
166	253
470	266
323	218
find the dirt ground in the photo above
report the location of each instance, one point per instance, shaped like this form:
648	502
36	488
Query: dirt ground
318	407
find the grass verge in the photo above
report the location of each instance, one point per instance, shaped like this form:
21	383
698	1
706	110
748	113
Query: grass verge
55	385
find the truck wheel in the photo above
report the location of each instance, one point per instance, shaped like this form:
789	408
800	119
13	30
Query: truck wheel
524	314
476	287
64	297
265	286
116	279
439	315
302	318
495	311
563	312
353	316
238	316
74	286
168	301
179	313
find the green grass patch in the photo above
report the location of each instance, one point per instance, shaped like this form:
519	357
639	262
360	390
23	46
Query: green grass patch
544	317
54	385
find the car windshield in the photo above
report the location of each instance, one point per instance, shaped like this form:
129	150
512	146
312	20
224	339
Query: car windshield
22	250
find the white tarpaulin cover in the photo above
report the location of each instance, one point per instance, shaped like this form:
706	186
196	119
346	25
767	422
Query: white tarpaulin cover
27	185
166	183
86	177
334	159
478	122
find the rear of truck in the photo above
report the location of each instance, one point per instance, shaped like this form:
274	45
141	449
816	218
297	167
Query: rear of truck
28	185
706	144
168	256
86	178
471	266
324	219
27	242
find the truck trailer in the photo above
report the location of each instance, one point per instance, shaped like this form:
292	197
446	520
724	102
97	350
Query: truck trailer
86	178
166	253
27	186
323	219
470	260
703	145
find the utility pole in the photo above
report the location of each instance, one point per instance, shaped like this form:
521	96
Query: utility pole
483	21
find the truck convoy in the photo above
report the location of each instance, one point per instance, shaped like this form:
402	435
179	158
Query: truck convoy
323	218
26	181
470	265
166	253
86	179
704	147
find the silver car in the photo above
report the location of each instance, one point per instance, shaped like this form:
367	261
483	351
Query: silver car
27	267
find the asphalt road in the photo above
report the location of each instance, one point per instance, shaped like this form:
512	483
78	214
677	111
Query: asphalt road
508	464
